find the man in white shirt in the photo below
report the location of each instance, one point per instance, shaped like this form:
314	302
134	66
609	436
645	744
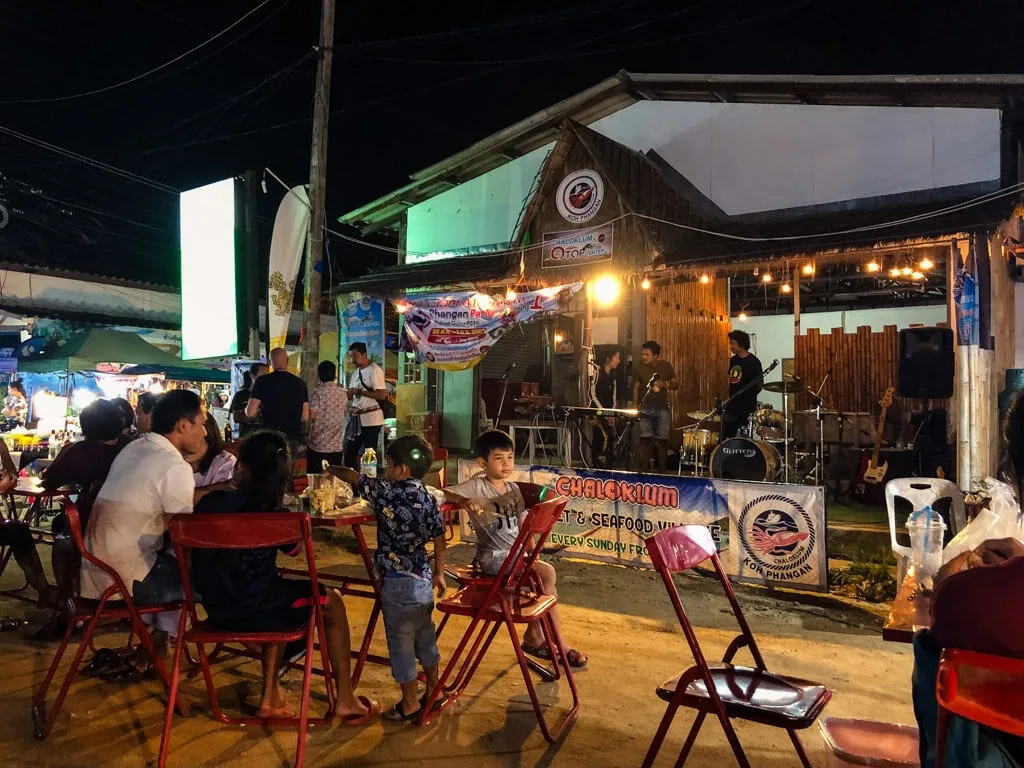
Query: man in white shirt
148	482
366	388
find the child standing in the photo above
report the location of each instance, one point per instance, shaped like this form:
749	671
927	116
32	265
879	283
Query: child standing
407	518
496	507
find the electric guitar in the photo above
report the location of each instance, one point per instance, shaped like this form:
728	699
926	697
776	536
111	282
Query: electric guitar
873	473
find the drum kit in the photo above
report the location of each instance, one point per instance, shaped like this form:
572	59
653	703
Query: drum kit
765	448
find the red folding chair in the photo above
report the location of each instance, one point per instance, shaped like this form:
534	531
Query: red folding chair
241	531
727	691
115	604
980	687
507	600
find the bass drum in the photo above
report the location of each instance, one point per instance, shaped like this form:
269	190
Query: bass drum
741	459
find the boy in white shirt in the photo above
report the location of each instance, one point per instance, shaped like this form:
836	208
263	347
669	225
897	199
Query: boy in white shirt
496	507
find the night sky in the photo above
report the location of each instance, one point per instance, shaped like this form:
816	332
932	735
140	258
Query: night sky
413	83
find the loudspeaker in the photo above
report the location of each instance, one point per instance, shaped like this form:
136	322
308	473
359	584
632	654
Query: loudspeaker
926	366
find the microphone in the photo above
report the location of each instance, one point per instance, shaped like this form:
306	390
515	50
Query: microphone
773	366
654	378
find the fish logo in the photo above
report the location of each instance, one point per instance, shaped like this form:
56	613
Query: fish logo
579	196
777	537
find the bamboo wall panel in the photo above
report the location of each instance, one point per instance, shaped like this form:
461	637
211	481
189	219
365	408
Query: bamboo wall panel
863	365
689	320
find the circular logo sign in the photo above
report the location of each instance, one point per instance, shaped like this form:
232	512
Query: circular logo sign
580	196
777	537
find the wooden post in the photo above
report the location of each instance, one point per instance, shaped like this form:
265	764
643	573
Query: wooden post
317	193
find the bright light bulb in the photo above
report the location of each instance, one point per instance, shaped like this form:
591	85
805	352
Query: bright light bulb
766	277
926	263
873	266
645	284
82	397
917	276
894	272
510	295
907	271
704	279
606	290
401	307
484	302
559	338
808	269
786	288
742	317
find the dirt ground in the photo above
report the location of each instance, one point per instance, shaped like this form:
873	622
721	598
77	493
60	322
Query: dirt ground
620	617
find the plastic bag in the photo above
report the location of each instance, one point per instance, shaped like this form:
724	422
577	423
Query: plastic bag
1001	520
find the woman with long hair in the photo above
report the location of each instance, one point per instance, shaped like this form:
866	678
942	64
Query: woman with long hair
215	467
242	590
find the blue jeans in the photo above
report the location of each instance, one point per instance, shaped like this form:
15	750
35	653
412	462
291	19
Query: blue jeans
408	606
655	422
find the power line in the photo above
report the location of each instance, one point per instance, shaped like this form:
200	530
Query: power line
136	78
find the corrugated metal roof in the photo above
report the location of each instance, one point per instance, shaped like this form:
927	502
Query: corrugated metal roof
444	273
625	88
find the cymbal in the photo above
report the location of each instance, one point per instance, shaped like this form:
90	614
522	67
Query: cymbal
704	416
787	387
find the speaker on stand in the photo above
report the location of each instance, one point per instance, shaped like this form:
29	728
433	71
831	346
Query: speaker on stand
926	371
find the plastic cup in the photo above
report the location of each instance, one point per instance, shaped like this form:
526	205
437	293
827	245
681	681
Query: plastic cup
926	534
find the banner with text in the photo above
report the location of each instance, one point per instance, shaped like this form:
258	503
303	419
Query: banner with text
360	318
769	533
453	331
576	247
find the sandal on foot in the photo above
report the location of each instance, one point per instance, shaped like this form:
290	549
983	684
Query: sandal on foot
102	660
437	704
397	714
372	710
576	659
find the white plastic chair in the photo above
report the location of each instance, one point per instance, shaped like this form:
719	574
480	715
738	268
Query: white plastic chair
922	492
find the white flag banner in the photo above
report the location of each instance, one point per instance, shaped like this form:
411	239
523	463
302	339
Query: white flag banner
291	227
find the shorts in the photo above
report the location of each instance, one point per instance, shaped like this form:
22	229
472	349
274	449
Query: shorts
655	422
408	605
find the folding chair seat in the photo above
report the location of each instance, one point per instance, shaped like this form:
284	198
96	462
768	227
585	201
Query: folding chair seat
114	604
980	687
507	600
726	691
246	531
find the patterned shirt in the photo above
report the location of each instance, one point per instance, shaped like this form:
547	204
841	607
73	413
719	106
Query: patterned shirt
407	518
328	402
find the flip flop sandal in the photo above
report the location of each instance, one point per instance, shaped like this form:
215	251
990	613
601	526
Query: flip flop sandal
576	659
398	715
102	660
10	623
437	704
372	710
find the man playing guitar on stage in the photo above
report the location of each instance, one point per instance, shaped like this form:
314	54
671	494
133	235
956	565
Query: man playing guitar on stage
743	368
652	382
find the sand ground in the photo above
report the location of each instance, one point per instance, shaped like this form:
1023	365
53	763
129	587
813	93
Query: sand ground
620	617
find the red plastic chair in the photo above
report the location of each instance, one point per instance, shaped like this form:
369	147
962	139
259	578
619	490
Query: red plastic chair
725	690
507	600
241	531
115	604
980	687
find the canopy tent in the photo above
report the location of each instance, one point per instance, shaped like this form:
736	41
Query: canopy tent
181	373
87	350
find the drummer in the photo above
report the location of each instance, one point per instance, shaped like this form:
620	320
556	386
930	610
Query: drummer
744	367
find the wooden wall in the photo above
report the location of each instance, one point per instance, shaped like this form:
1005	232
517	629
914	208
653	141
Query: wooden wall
863	365
691	323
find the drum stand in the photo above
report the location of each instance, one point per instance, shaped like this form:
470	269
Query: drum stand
818	475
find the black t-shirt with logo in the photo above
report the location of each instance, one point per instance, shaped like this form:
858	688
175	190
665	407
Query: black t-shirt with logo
281	395
742	370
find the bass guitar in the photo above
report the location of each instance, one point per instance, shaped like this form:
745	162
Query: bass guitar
868	486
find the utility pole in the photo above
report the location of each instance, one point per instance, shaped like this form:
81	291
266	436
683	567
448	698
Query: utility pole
317	193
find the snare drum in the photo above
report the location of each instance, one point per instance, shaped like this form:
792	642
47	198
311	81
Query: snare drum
771	424
741	459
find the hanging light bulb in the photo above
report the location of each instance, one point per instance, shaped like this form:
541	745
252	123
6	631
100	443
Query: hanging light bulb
808	269
917	275
907	271
401	307
742	317
874	266
895	272
786	288
510	295
645	284
926	263
704	279
559	338
766	277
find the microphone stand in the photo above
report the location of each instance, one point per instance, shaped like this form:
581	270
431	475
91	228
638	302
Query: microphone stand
501	403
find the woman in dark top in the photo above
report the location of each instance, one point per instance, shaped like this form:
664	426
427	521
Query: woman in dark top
242	590
604	394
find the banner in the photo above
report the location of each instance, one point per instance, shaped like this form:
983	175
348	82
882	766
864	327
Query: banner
770	534
360	318
965	297
287	244
453	331
576	247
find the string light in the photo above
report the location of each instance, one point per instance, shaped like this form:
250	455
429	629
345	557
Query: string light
645	284
786	288
401	307
766	277
742	317
559	338
874	266
808	269
907	271
916	275
510	295
704	279
926	263
895	272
